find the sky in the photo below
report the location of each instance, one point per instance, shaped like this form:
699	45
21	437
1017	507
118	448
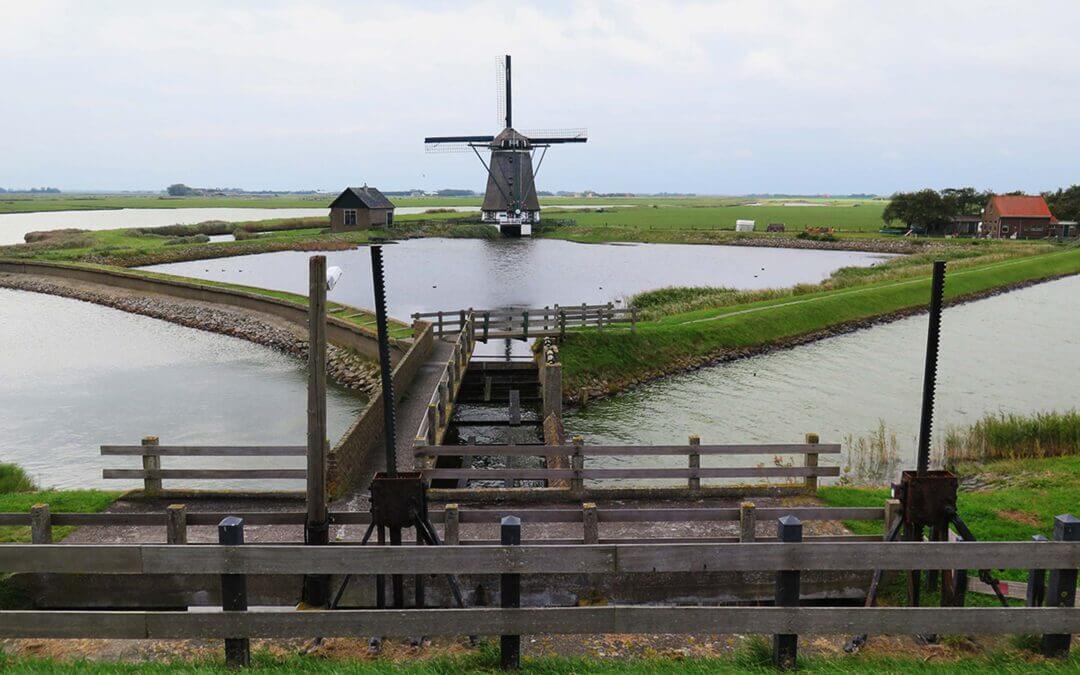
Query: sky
762	96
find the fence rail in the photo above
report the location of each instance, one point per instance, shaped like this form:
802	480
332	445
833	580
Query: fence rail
578	453
531	322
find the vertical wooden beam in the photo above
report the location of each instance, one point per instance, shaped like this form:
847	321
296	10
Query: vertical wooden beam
515	408
747	522
234	593
577	463
432	424
693	483
316	589
893	512
1036	583
811	462
176	524
1061	589
786	645
151	462
591	522
510	596
40	524
487	323
451	525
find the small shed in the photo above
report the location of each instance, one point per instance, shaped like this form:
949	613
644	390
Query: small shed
775	227
360	208
744	226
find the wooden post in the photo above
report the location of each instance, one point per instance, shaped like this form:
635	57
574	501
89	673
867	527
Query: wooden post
444	404
234	593
811	462
316	589
461	320
562	323
591	520
432	424
546	308
487	322
487	388
583	397
1061	589
577	463
151	463
1036	583
40	524
451	374
785	646
451	525
440	330
693	483
510	596
515	407
525	324
893	513
584	314
176	524
747	522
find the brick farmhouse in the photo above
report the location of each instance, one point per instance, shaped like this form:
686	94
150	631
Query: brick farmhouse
1018	217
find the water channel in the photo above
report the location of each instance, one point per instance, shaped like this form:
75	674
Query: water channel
77	375
1018	352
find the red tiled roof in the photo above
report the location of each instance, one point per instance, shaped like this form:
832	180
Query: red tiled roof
1022	206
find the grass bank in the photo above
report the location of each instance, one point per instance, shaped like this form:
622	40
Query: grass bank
609	361
18	493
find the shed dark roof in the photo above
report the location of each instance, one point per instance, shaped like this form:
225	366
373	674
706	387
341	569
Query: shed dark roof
365	197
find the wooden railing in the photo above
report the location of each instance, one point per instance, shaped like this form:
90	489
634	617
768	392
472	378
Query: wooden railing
790	556
522	324
577	474
441	406
152	472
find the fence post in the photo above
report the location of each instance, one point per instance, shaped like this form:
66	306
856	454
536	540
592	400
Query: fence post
693	483
440	332
893	513
451	525
525	324
591	520
487	322
1036	583
510	596
562	323
432	424
747	522
234	593
811	462
786	646
40	524
577	463
176	524
151	486
1061	589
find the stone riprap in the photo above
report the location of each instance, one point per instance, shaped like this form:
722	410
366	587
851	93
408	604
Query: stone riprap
343	366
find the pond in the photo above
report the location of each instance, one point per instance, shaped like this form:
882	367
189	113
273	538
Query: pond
77	376
448	274
1018	352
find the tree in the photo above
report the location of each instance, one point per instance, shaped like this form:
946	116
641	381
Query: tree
1064	204
923	211
179	190
966	201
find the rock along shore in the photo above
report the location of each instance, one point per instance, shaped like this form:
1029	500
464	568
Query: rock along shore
343	366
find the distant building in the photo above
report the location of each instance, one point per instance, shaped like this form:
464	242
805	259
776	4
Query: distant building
963	226
775	227
744	225
360	208
1065	229
1017	217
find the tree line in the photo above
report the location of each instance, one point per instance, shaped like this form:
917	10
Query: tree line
930	210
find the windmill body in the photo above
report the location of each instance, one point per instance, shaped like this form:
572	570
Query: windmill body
510	200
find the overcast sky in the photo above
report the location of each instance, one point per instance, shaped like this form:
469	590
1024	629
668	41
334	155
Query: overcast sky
719	98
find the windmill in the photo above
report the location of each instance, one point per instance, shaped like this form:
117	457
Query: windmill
510	201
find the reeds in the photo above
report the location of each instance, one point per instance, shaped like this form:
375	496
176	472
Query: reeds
1012	436
870	460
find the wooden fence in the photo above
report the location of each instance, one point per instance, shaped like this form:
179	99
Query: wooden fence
152	472
578	473
788	557
440	408
521	324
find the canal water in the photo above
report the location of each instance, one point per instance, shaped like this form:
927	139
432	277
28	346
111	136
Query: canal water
76	376
1013	353
448	274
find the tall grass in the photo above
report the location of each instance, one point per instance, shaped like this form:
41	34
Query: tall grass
1012	436
13	478
870	460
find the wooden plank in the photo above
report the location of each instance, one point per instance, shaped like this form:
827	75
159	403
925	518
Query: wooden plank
539	620
632	450
730	514
101	519
243	474
526	515
249	518
22	519
642	472
208	450
341	559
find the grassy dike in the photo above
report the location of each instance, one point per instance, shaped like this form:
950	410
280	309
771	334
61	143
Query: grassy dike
613	360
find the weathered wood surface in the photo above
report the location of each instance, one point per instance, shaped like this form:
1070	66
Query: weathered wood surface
207	450
299	474
541	620
644	472
633	450
602	558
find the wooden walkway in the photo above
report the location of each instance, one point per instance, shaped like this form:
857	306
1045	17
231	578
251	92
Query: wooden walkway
525	323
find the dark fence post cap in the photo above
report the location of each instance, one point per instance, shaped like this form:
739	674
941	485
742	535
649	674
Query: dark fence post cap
1067	527
511	521
231	521
789	529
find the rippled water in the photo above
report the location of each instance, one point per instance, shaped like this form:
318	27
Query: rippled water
76	376
1018	352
